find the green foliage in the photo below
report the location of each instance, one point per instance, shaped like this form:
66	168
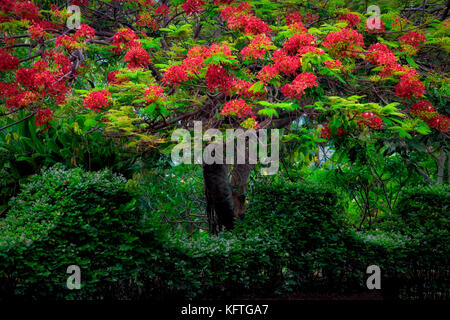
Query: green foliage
423	209
70	217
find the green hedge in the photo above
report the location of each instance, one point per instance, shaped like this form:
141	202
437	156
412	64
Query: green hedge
70	217
294	238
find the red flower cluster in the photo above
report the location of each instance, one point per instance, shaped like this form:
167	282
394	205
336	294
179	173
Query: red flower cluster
153	93
297	88
85	32
297	41
7	5
326	132
333	64
285	63
422	106
294	18
240	18
8	61
346	42
425	111
137	57
26	10
380	55
351	18
409	85
44	79
146	20
371	120
267	73
162	10
216	49
96	100
80	2
257	48
113	79
218	78
66	42
411	41
43	116
237	107
242	88
125	38
174	76
193	6
36	32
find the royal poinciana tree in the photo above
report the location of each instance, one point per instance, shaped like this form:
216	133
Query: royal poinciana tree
139	69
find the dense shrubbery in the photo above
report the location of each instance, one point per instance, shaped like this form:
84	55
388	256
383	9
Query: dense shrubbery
301	242
66	217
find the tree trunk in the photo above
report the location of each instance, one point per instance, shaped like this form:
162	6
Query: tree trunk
239	179
448	167
441	166
225	200
219	200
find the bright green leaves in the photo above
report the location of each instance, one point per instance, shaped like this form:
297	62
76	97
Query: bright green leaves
270	108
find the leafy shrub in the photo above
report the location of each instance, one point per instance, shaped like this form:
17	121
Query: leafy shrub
424	209
70	217
308	220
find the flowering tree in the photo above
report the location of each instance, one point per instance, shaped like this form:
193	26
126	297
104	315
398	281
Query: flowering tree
138	69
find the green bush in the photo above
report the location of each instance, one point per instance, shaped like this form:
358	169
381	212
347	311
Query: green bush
70	217
308	220
424	209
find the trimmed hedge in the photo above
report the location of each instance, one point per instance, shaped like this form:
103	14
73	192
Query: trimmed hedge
294	238
70	217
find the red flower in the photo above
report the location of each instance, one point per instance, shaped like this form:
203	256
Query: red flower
333	64
66	42
162	11
351	18
26	10
267	73
422	106
411	42
297	88
218	78
441	123
325	132
36	32
237	108
43	116
153	93
409	85
174	76
193	6
85	32
257	48
96	100
413	38
146	20
285	63
192	65
8	61
137	57
346	42
125	38
298	41
373	121
294	18
112	78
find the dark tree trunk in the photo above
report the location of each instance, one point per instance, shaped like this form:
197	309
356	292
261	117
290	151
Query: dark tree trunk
225	200
239	180
219	200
